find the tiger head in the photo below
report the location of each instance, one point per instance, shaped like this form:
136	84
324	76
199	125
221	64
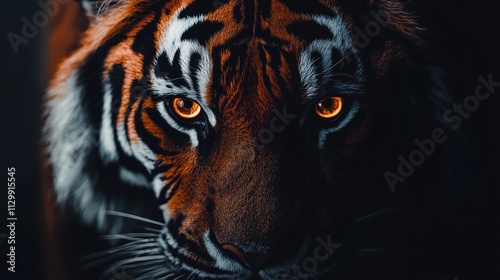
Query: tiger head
256	127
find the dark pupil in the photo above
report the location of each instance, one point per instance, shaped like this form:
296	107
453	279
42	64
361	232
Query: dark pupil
186	103
327	103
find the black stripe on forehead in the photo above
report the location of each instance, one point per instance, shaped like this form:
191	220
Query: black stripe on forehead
144	42
309	31
144	39
286	84
342	70
202	31
243	70
194	66
171	70
309	7
201	7
340	74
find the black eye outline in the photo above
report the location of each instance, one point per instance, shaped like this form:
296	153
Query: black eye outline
196	122
311	124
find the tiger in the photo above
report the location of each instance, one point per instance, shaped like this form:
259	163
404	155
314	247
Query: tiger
248	139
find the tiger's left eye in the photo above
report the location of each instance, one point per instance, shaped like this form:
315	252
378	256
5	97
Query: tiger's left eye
186	108
329	107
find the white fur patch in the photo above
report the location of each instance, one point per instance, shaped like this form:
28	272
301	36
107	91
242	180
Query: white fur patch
135	179
70	140
158	185
342	42
171	44
108	146
144	154
221	261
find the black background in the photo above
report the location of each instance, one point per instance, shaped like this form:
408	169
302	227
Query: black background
466	35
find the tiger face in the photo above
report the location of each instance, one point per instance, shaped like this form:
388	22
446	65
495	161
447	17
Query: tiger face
255	125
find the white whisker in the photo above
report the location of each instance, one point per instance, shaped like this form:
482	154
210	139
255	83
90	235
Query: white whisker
109	255
135	217
157	231
129	236
136	261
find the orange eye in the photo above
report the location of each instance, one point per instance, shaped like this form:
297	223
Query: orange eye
329	107
186	108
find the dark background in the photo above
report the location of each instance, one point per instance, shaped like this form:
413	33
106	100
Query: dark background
466	35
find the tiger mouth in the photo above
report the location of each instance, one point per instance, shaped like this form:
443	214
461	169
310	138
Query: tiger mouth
319	257
224	265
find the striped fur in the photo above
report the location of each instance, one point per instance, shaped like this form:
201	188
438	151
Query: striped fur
253	67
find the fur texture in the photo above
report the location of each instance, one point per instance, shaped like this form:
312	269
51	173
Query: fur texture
258	169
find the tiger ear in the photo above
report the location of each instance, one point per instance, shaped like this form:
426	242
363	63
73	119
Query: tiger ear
99	7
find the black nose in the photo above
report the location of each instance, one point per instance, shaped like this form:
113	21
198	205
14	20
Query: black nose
251	257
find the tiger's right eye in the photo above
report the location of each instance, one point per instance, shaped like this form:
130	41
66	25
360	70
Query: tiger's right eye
186	108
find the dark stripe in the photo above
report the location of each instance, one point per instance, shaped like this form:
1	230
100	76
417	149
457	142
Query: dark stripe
174	225
162	200
178	139
95	4
343	66
275	64
238	12
202	31
295	80
347	66
145	41
313	7
238	54
162	168
317	64
197	250
198	8
171	71
249	13
145	44
116	76
266	36
175	71
194	66
171	183
309	31
116	80
151	141
193	263
265	75
176	182
90	76
136	91
216	88
265	9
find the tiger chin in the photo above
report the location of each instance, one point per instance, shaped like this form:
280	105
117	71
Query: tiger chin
246	139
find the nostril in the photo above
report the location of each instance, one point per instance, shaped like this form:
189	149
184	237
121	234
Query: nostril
253	259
